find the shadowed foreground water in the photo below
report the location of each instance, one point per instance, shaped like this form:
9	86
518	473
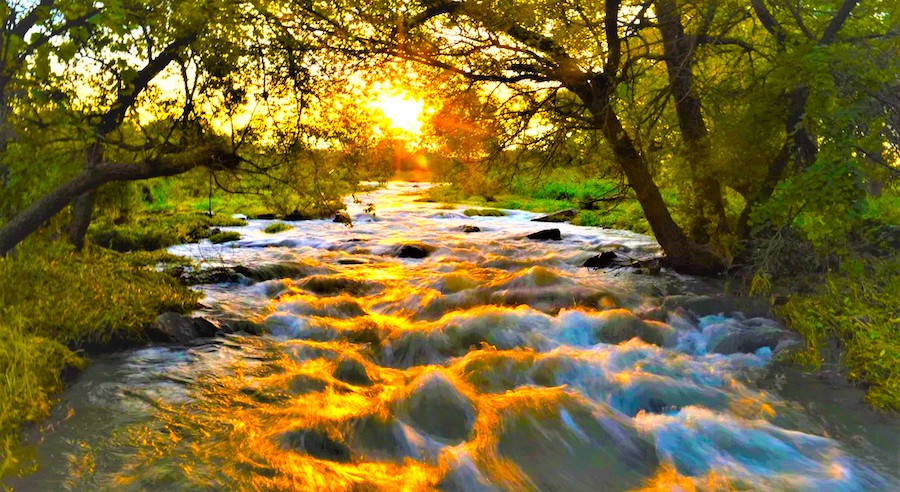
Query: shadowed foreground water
494	363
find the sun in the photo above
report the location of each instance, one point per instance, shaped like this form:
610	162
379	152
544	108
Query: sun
401	111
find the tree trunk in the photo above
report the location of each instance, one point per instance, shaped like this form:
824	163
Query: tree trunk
799	146
682	254
29	220
22	225
83	207
707	191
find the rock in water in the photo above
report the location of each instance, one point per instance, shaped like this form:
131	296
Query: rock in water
413	251
342	218
546	234
749	336
316	444
353	371
561	216
470	228
564	444
603	260
203	327
437	407
173	327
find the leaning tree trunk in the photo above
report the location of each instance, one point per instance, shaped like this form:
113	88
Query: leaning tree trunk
707	191
682	254
215	154
83	207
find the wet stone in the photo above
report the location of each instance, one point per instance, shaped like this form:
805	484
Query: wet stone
435	406
468	229
173	327
561	216
748	339
572	448
327	285
302	384
353	371
204	328
605	259
316	444
546	235
417	251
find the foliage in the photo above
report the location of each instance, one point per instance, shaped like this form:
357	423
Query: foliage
277	227
483	212
857	307
224	237
150	232
63	300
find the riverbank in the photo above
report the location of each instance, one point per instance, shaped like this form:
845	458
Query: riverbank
54	302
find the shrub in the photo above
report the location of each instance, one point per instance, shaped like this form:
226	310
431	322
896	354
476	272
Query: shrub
858	309
277	227
224	237
155	231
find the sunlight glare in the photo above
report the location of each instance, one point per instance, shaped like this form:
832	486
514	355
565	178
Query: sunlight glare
402	111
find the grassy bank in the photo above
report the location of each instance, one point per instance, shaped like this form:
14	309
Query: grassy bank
855	311
585	196
53	301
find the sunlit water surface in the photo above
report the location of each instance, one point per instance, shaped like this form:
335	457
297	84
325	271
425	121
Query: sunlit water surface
479	367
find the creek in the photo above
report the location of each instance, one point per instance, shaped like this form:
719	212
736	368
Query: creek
494	362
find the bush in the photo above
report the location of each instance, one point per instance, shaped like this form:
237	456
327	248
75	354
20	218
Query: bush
277	227
224	237
150	232
858	309
63	300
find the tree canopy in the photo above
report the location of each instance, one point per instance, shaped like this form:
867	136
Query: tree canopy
757	116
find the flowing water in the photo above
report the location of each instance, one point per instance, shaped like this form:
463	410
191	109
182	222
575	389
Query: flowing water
493	363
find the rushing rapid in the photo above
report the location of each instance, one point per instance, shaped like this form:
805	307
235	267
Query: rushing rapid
409	352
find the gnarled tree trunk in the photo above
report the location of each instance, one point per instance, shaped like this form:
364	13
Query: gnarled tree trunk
707	191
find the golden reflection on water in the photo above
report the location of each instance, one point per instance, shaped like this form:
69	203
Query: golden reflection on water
476	368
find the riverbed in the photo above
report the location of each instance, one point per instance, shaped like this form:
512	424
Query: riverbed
408	352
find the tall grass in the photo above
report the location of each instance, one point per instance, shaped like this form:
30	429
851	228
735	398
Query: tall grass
53	301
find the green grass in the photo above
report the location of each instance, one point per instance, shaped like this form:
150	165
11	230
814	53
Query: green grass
553	197
53	300
277	227
483	212
153	231
224	237
859	309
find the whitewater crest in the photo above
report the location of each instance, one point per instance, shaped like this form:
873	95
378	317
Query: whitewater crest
409	353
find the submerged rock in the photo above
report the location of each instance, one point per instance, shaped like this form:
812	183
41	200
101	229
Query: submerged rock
565	444
561	216
381	438
413	250
352	370
749	336
752	307
173	327
463	476
214	275
204	328
546	235
316	444
605	259
621	325
436	407
330	285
